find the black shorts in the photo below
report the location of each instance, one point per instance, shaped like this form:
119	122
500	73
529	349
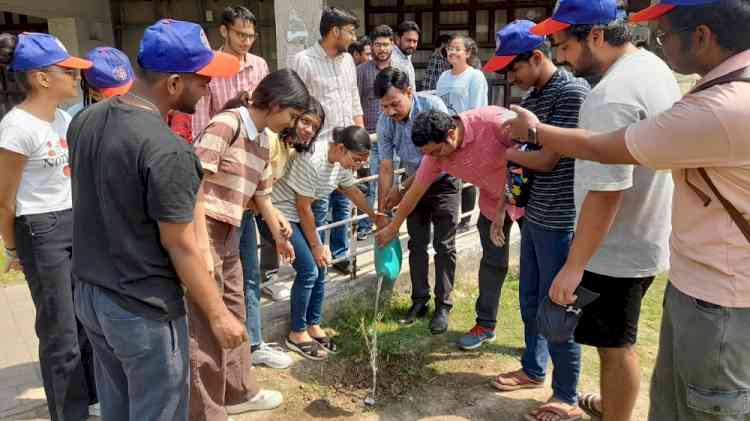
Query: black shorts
611	321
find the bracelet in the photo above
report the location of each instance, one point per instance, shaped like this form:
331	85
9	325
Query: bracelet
11	254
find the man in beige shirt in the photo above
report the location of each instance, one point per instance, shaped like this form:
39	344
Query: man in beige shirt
702	371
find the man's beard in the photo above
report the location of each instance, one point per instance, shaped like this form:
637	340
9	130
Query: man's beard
587	64
378	60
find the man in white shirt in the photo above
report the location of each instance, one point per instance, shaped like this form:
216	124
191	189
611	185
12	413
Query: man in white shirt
329	72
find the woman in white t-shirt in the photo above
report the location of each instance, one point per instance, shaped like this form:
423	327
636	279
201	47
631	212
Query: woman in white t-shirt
310	177
463	88
36	220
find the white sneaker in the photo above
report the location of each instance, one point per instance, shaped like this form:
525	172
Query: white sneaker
272	355
279	291
95	410
265	400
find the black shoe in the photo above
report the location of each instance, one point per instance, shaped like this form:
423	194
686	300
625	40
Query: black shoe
439	322
416	310
343	267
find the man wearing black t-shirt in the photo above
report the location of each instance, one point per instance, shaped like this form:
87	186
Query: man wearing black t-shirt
134	191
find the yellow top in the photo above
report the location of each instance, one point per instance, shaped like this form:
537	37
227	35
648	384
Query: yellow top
281	154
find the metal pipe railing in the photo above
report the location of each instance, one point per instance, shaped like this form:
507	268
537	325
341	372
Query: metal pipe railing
351	223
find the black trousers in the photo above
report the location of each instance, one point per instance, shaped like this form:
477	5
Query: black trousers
45	243
437	209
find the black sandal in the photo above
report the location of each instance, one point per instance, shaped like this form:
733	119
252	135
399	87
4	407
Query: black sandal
327	343
310	350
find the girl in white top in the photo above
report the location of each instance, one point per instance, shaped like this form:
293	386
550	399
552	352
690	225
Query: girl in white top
464	86
36	220
310	177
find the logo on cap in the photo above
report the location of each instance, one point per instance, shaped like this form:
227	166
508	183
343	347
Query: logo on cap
120	73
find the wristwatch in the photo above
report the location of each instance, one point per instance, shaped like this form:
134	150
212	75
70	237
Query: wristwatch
532	136
11	254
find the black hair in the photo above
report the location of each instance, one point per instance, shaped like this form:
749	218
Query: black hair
390	77
444	39
545	49
616	33
408	26
334	17
86	91
728	19
354	138
381	31
283	88
8	44
472	49
149	76
359	45
314	108
431	127
232	13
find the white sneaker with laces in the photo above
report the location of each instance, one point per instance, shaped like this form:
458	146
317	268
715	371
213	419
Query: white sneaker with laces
265	400
95	410
271	355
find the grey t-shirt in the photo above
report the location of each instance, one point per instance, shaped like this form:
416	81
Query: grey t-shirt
638	86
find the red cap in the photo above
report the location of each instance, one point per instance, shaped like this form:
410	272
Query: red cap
116	91
497	63
549	26
650	13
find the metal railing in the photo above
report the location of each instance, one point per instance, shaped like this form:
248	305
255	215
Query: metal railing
353	251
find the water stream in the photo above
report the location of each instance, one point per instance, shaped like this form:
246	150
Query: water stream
371	339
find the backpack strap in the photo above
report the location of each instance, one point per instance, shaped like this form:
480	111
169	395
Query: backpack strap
237	131
741	75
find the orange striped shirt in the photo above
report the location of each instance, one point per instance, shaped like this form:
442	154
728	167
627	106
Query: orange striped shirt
234	171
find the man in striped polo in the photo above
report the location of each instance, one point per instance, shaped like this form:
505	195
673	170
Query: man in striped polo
556	97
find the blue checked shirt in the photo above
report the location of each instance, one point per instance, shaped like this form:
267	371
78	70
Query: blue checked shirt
394	138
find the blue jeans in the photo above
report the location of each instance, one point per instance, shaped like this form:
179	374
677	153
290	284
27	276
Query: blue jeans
142	368
543	253
365	225
251	274
308	289
341	209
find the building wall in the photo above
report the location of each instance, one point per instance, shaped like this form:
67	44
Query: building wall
80	24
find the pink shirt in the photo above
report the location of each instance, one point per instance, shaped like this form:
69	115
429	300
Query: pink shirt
480	159
220	90
710	258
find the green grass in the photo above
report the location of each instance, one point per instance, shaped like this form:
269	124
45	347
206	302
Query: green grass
410	355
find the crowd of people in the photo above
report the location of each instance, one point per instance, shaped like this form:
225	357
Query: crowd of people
146	217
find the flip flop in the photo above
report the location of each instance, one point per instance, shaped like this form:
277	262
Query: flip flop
520	382
586	403
327	343
572	413
310	350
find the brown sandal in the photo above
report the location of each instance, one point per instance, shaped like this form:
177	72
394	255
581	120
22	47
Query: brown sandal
311	350
515	380
562	411
587	402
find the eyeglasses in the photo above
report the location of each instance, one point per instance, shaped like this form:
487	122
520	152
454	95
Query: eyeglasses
661	36
356	161
74	73
454	50
244	36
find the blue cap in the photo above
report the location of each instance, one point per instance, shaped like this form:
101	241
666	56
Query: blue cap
112	73
578	12
36	51
514	39
658	10
173	46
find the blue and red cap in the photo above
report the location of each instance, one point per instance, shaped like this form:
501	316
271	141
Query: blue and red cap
173	46
514	39
578	12
665	6
36	51
111	73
